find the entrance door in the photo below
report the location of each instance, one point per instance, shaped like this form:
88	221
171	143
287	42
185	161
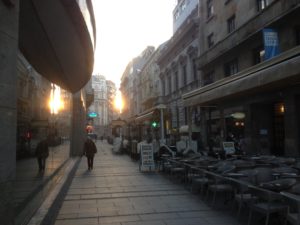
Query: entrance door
279	135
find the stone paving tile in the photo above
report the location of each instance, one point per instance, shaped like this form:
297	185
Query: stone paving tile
116	193
145	223
78	221
121	219
187	221
159	216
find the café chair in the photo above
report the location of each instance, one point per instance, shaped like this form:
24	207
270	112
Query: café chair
267	202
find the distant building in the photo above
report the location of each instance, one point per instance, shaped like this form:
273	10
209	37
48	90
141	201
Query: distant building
102	106
178	67
182	11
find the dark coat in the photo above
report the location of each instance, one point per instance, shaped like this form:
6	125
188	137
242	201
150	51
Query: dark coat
89	148
42	149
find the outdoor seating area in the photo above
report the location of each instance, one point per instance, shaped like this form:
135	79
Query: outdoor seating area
267	186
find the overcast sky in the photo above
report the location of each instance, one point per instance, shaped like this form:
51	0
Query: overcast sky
125	29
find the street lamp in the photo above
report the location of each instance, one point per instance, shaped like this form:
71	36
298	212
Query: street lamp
55	104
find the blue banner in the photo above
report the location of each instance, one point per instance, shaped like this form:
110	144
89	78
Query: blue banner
271	43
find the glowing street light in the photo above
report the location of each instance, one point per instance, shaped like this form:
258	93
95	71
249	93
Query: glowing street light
119	102
55	102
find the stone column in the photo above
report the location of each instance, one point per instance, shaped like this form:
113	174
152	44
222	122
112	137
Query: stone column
8	106
78	133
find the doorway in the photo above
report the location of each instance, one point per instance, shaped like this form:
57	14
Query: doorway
278	129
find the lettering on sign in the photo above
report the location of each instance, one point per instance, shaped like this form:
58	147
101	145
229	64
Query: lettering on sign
147	158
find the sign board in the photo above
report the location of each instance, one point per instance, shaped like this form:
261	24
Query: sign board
117	144
271	43
229	148
93	115
147	158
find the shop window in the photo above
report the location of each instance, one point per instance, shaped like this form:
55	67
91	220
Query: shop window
231	24
258	55
210	40
231	68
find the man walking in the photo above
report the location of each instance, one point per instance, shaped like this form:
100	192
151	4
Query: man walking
89	151
42	153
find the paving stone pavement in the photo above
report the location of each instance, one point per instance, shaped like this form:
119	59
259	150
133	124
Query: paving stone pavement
115	192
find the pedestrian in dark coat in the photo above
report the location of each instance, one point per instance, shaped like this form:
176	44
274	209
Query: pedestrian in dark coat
89	151
42	153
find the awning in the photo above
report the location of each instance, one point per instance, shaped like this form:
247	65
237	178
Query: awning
147	115
277	73
144	117
118	123
185	129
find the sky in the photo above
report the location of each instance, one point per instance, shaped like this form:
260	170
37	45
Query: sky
125	28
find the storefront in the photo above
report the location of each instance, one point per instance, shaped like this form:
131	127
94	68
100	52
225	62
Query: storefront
260	107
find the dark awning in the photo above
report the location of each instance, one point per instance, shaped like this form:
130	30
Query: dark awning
277	73
58	40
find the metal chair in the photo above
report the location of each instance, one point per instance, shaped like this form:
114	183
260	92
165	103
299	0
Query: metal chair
242	196
267	202
293	215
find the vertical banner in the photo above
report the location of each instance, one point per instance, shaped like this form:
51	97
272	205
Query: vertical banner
271	43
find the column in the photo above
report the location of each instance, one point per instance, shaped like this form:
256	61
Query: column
78	133
8	107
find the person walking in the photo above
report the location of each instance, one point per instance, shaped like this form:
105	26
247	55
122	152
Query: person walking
89	151
42	153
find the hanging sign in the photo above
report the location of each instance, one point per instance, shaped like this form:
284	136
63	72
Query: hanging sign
271	43
93	114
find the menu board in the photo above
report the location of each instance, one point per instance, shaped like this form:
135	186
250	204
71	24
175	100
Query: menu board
228	148
147	158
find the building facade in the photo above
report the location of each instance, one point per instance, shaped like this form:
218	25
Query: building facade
178	69
249	66
59	45
102	106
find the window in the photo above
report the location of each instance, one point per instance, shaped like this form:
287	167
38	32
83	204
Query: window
297	32
231	68
210	40
186	115
170	84
231	24
258	55
163	88
262	4
176	15
183	6
195	70
176	80
184	75
210	8
208	78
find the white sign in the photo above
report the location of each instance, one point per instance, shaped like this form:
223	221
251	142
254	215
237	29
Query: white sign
229	148
147	158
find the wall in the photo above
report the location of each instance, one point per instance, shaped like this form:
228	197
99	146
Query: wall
8	112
